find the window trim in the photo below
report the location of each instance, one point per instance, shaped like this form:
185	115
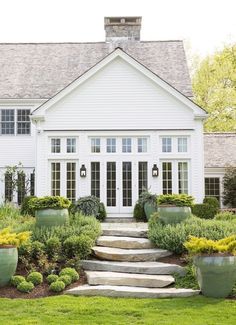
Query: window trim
15	121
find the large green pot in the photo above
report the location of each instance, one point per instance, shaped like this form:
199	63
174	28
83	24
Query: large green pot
8	264
216	275
172	215
51	217
149	209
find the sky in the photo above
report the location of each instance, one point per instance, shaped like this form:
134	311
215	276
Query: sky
204	25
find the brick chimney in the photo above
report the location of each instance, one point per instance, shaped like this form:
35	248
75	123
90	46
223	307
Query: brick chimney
122	28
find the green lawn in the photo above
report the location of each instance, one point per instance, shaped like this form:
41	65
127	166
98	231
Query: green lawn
96	310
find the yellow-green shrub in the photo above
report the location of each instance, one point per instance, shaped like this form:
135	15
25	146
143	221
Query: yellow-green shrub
10	238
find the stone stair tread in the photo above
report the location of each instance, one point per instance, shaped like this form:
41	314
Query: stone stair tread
128	279
133	267
124	242
127	291
125	229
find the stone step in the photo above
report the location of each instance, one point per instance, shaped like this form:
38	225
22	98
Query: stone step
119	219
133	267
130	255
125	291
125	229
129	279
124	242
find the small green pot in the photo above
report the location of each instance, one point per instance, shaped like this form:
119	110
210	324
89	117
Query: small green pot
216	275
8	264
172	215
51	217
149	209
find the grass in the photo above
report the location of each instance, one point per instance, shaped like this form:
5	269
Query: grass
98	310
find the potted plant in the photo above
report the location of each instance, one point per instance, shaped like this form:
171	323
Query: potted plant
9	254
50	211
149	202
215	263
174	208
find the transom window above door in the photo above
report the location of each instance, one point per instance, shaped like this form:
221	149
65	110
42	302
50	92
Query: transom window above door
142	144
111	145
71	145
56	145
126	145
166	144
95	145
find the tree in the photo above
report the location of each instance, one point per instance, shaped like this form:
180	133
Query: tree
214	87
229	183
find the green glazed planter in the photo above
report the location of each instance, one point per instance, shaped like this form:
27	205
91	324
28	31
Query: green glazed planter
149	209
8	263
172	215
216	275
51	217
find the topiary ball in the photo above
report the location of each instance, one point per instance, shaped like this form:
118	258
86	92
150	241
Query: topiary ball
71	272
66	279
52	278
16	279
25	287
57	286
35	277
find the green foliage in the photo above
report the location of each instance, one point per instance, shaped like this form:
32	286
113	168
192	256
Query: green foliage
188	280
66	279
196	245
147	197
102	214
52	278
229	184
90	206
71	272
13	239
226	215
179	200
35	277
211	200
214	87
57	286
25	286
17	279
53	247
204	211
172	237
26	208
139	213
49	202
80	246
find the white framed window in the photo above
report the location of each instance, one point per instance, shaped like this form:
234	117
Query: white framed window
166	144
111	145
95	145
71	181
71	145
167	183
23	121
142	144
126	145
183	177
182	144
7	121
212	187
56	179
55	145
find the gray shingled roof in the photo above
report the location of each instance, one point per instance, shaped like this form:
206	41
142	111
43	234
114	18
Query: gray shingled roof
41	70
220	149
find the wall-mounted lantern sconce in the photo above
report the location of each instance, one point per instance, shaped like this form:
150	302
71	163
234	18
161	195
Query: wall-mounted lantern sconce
83	171
155	171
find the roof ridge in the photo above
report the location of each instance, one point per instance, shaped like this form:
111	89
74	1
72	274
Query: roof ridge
98	42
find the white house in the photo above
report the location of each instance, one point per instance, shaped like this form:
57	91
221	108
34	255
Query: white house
106	119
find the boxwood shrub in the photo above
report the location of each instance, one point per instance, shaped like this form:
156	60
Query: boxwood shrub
139	213
204	210
57	286
25	286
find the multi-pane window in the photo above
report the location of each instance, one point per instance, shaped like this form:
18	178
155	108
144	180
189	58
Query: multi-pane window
126	145
167	178
212	187
142	144
7	121
55	178
71	181
166	144
111	145
182	144
55	145
20	187
32	184
111	184
71	145
142	176
23	121
95	145
127	183
183	177
95	179
8	187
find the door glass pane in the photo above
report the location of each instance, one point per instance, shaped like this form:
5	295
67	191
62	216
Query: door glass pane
142	176
95	179
127	184
212	187
56	179
183	177
167	178
111	184
71	181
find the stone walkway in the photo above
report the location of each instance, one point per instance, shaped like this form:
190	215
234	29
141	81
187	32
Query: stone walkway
126	265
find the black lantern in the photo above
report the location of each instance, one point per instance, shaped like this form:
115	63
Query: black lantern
155	171
83	171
